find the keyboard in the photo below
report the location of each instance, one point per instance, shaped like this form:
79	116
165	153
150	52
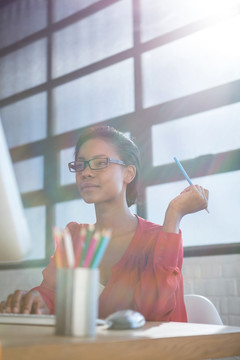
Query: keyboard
27	319
33	319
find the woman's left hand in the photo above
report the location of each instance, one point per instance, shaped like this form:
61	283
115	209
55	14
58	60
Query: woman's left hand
192	199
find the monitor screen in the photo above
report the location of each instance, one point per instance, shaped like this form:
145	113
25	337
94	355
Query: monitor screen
14	232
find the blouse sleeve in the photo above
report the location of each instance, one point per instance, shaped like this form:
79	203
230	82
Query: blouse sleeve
48	285
157	291
47	288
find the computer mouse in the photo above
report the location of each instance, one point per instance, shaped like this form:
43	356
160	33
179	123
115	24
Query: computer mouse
125	319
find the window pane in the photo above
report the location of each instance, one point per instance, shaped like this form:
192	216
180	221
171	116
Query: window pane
36	218
66	156
20	19
160	17
92	39
209	132
63	8
75	210
99	96
25	121
29	174
133	209
217	227
23	69
205	59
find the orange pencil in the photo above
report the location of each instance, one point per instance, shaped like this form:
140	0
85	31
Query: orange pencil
57	240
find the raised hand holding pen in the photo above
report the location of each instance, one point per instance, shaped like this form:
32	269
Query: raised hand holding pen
200	189
192	199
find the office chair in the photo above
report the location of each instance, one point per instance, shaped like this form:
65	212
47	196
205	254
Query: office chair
201	310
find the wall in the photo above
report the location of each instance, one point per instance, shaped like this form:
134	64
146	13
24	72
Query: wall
216	277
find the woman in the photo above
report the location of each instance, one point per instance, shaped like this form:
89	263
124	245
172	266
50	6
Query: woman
141	268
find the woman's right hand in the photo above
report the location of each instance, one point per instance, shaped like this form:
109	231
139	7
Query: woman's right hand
24	302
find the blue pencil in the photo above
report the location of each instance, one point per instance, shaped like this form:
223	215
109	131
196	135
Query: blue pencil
185	174
101	249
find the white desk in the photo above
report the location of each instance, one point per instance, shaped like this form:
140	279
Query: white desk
154	341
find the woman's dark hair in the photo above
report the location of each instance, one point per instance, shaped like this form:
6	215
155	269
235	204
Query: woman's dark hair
126	148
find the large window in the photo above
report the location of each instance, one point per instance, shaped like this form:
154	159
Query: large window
165	72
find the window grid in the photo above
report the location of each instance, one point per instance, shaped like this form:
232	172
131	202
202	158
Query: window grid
50	147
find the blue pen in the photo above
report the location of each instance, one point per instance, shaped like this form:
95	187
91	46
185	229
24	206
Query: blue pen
185	174
183	171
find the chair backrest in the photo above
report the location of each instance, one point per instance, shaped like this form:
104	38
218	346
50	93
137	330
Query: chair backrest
201	310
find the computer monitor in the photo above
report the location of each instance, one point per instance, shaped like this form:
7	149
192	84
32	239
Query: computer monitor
14	232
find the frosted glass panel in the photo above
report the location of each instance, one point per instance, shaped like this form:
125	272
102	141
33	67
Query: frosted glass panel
208	132
23	68
99	96
220	226
36	218
205	59
25	121
92	39
160	17
63	8
30	174
66	156
75	210
21	18
133	209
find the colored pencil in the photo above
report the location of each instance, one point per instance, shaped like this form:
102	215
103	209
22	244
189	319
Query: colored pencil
90	252
89	249
86	243
80	245
101	249
57	242
96	248
68	248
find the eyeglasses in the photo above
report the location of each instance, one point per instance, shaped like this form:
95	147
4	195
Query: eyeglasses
94	164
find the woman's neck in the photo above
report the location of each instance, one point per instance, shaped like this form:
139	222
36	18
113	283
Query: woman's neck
115	218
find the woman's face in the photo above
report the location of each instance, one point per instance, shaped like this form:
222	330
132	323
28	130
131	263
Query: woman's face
105	185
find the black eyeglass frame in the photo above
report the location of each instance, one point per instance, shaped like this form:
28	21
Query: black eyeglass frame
88	162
